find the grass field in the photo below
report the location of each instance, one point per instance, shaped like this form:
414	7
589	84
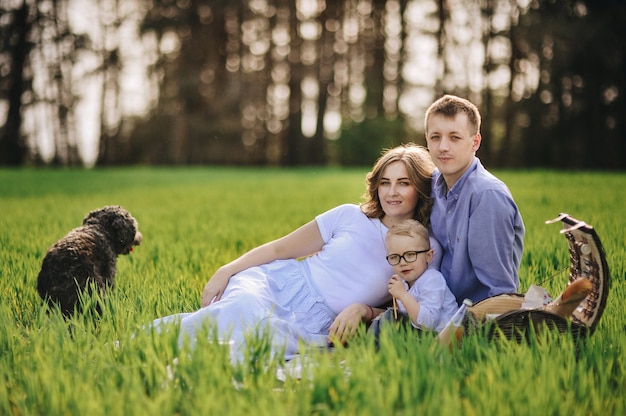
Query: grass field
195	219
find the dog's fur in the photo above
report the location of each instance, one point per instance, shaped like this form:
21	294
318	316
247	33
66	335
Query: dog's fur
86	257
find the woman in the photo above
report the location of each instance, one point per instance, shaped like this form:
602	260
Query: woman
324	296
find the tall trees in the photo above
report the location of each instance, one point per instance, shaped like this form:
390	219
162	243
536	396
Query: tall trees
15	48
569	84
292	82
40	50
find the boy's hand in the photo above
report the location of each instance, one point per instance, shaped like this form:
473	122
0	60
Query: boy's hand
396	286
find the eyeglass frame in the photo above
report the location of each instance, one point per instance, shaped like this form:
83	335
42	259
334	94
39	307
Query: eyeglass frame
402	256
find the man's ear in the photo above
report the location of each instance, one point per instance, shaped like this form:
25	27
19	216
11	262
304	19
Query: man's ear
476	142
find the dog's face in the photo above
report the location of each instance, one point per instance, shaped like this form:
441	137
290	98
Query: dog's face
119	225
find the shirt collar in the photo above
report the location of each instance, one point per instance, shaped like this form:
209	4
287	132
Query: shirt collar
442	188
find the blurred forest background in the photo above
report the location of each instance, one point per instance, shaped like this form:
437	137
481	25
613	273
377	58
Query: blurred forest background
307	82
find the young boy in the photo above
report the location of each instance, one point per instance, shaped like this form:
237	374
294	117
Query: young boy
474	216
420	292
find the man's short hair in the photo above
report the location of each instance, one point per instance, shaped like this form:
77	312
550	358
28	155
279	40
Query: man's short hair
450	106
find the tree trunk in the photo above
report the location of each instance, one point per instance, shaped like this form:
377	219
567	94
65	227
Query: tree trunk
13	150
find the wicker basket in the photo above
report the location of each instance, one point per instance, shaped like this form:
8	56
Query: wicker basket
587	259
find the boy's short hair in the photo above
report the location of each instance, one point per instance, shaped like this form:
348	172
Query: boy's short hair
450	106
410	228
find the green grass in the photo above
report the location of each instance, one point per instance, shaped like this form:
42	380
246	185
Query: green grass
194	220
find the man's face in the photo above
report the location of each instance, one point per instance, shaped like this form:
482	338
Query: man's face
452	145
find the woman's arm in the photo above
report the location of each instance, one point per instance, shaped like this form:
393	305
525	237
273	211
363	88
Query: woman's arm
304	241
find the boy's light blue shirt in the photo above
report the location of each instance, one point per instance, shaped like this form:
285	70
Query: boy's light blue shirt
481	231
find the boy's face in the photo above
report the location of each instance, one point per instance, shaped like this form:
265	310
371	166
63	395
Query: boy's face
401	244
451	144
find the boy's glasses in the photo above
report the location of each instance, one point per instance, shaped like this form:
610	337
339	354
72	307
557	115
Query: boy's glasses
408	256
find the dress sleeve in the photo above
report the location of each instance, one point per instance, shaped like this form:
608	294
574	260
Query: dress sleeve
329	221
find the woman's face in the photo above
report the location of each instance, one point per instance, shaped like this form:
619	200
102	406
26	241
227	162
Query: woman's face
397	193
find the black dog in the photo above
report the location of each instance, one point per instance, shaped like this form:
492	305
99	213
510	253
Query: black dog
86	257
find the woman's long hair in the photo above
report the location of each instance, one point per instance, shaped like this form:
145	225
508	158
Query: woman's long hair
420	169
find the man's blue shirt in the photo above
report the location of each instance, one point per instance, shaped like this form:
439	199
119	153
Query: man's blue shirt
481	231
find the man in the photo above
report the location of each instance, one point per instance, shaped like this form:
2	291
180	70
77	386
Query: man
474	216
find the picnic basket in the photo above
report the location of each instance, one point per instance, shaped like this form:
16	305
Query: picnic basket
503	315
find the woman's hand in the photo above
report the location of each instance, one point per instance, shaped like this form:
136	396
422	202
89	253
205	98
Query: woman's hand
214	289
347	322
